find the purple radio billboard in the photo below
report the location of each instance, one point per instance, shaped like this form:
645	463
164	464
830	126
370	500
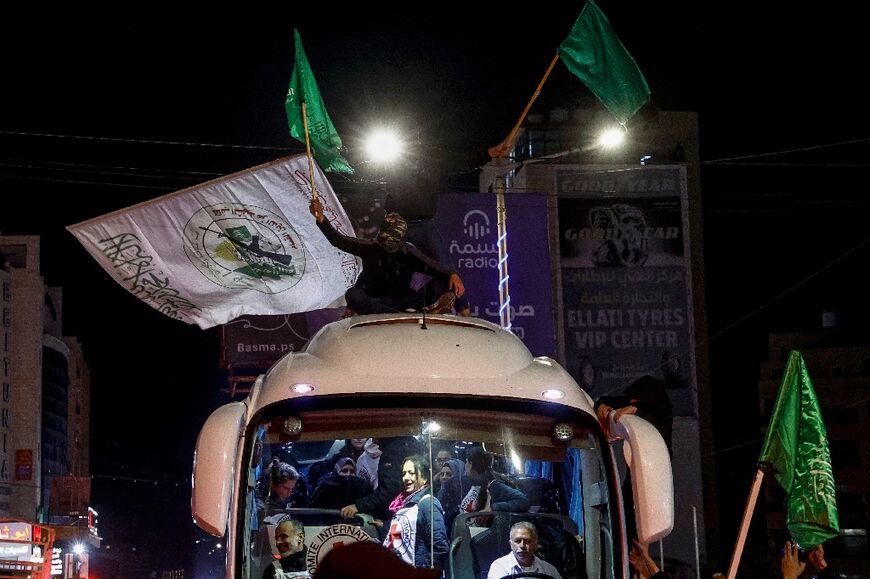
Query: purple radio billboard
468	226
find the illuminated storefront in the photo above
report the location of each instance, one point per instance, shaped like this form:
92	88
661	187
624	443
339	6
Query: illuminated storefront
25	549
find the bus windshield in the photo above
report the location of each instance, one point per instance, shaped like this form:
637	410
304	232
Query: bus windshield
473	491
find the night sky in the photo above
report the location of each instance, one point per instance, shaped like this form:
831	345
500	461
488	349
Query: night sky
101	111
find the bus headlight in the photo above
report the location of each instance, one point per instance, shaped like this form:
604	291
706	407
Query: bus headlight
563	431
292	425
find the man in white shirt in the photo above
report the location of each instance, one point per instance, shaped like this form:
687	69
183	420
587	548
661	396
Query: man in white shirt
521	559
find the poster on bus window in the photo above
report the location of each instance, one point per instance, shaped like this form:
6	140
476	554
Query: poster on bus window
626	287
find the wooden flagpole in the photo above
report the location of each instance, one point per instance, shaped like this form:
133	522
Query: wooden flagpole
503	149
308	151
744	526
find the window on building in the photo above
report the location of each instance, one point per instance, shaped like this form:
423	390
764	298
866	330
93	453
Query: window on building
540	142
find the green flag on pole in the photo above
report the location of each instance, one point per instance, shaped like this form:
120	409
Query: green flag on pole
325	141
796	445
594	53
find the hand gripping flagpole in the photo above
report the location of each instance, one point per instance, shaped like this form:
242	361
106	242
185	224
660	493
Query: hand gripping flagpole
308	151
501	151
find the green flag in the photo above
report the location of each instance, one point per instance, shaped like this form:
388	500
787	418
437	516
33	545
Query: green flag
594	53
325	142
796	445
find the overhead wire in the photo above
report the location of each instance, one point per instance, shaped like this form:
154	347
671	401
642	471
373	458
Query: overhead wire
142	141
106	169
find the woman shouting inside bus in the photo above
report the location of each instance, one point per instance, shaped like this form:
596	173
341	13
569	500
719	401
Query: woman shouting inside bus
418	519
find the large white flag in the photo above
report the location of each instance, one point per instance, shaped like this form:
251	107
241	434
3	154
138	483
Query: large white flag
242	244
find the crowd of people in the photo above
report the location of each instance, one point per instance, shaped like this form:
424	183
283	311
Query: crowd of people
412	512
414	505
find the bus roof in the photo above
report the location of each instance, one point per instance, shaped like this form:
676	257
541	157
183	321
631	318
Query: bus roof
407	354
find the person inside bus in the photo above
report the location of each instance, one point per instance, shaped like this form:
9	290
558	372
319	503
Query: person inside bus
340	487
418	519
286	490
353	448
455	484
489	491
389	264
290	542
523	543
449	469
393	450
443	453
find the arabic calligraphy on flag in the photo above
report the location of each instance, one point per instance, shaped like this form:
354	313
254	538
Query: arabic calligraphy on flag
242	244
796	446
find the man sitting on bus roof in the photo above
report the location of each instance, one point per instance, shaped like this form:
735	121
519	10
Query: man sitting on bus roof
389	264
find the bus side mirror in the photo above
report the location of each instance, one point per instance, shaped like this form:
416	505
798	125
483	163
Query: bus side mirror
652	481
214	466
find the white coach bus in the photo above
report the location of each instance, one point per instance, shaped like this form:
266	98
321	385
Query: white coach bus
442	382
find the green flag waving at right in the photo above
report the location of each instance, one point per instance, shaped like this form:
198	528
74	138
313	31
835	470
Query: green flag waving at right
594	53
796	445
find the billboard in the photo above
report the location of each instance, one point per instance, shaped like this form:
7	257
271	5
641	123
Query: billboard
468	224
626	279
257	342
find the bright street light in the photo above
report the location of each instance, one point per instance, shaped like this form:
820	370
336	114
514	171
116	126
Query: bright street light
612	138
384	146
